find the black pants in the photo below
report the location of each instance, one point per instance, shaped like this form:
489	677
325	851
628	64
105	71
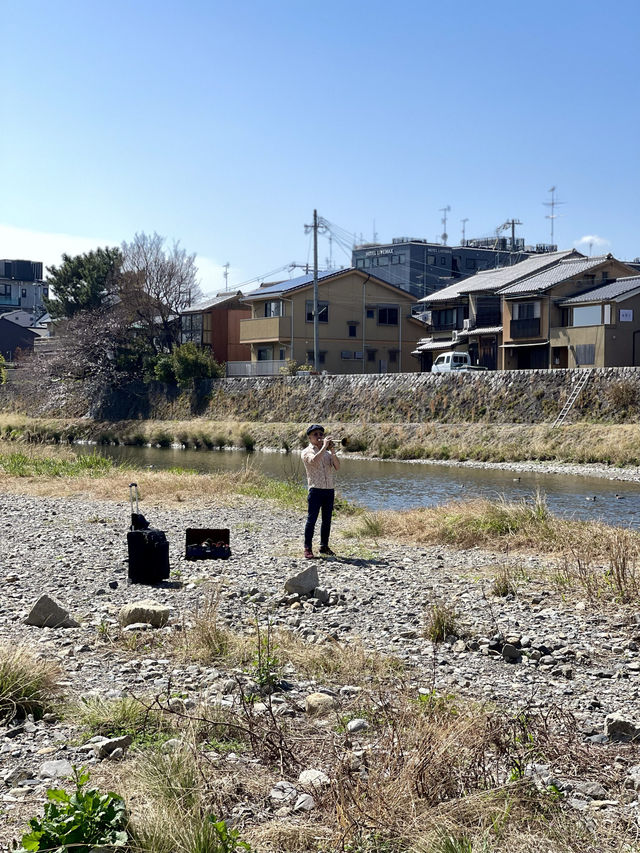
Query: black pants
318	499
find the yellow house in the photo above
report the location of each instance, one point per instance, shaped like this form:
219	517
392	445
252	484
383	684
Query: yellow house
364	325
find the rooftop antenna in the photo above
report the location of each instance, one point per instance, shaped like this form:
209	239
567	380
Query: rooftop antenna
444	235
552	204
226	275
375	233
464	222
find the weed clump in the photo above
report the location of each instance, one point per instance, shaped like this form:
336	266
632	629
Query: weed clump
28	685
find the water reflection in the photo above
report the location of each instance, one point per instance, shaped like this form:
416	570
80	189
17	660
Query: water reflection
380	484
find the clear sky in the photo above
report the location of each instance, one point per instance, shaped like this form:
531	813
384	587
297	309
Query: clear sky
224	124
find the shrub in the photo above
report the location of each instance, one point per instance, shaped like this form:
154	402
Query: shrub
247	441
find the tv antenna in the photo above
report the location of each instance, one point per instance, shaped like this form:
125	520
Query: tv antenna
552	204
444	235
225	267
464	222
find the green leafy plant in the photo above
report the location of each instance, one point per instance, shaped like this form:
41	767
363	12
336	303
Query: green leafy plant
78	821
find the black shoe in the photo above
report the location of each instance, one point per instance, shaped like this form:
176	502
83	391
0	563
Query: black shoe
324	549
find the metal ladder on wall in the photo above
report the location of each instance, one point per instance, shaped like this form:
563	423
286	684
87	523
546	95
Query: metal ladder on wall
580	384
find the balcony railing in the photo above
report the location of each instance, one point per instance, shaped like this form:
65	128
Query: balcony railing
527	328
265	329
254	368
8	300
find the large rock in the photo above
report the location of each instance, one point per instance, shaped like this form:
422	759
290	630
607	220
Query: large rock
55	769
320	704
107	747
147	611
304	582
619	727
45	613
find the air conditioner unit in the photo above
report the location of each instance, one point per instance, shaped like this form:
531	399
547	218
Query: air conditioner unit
466	324
454	337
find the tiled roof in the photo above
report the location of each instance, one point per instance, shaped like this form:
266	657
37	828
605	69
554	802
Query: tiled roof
613	290
485	330
426	344
560	272
492	280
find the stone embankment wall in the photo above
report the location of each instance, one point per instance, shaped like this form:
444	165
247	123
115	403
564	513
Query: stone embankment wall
526	396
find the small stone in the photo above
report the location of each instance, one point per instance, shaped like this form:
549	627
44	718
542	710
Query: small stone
108	745
619	727
357	725
283	792
510	653
314	779
304	803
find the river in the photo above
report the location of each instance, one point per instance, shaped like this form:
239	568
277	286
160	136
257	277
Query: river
378	484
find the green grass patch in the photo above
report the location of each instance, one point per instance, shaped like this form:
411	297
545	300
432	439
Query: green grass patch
28	465
27	684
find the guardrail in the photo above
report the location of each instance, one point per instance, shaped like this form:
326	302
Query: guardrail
254	368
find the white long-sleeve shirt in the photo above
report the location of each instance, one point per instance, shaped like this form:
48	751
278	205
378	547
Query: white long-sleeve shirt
319	465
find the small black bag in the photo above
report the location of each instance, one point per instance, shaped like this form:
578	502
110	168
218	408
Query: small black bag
148	548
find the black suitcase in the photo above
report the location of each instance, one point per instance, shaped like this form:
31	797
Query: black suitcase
148	548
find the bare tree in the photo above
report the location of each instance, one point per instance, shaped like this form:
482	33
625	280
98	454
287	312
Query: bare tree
158	281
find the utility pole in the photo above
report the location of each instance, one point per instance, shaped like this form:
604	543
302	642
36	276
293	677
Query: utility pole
552	204
226	275
317	223
513	223
444	211
464	222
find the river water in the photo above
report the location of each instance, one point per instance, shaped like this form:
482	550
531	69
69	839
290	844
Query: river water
378	484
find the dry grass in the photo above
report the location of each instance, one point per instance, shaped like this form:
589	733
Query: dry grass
28	684
205	639
524	525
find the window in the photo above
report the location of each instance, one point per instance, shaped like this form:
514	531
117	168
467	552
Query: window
400	259
323	311
322	356
586	354
360	263
371	313
395	259
45	291
526	310
431	259
443	260
273	308
24	292
281	355
587	315
387	315
191	328
470	263
383	261
371	354
5	290
393	356
352	330
265	354
346	354
606	313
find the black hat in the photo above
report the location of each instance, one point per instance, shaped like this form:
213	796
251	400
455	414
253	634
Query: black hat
314	427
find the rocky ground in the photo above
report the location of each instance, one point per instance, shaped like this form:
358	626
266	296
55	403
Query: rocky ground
538	648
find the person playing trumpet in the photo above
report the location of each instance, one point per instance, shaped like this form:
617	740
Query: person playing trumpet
320	462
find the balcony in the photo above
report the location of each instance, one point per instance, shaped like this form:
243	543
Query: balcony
265	330
527	328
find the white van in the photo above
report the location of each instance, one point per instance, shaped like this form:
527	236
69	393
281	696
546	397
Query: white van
447	361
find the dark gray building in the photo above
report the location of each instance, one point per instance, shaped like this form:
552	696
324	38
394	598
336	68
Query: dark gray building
21	286
422	267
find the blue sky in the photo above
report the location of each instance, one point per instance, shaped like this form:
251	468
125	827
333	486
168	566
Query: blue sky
224	124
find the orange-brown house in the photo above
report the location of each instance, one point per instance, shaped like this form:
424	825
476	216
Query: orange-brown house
215	325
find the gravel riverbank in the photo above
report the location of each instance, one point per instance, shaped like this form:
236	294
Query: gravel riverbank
538	648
